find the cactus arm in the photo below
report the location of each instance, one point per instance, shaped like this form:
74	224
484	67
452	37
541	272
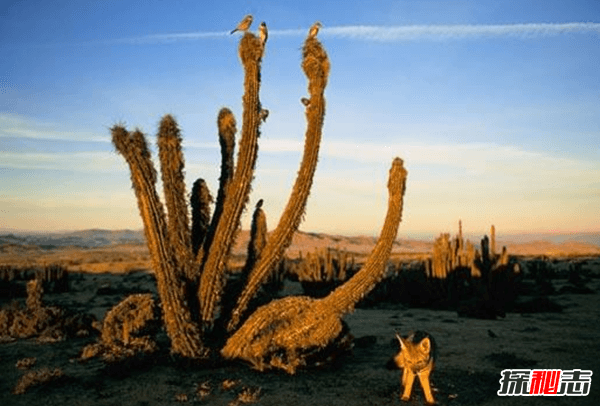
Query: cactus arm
171	165
227	129
237	193
343	299
184	334
281	333
316	67
258	238
200	202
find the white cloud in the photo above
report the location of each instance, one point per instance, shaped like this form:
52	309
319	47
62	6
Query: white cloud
418	32
16	126
73	161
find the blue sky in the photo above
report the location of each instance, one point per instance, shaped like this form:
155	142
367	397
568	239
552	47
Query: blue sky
493	105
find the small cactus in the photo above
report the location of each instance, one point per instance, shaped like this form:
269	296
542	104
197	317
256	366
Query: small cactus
121	324
35	291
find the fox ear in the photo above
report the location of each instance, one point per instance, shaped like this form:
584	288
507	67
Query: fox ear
425	345
400	339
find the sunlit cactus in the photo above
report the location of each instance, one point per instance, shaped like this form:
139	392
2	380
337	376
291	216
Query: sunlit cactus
316	67
286	332
182	330
190	254
238	191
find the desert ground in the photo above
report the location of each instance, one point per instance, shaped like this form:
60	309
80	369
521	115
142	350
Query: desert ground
471	352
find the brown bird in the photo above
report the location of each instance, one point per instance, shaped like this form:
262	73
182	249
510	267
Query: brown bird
263	33
314	30
264	113
244	24
305	101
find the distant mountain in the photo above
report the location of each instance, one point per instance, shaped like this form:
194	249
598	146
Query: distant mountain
519	244
588	238
85	239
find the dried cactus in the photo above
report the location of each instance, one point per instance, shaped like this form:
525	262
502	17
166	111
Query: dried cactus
38	377
118	338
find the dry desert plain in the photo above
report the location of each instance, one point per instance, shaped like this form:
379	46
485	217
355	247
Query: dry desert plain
471	354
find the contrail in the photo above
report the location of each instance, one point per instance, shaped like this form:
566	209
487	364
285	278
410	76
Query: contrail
396	33
437	32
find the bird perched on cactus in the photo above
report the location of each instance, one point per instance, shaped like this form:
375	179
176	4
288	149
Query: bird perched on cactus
263	34
314	30
264	113
244	25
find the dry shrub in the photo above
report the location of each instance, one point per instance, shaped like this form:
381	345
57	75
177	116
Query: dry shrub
35	320
122	323
36	378
26	363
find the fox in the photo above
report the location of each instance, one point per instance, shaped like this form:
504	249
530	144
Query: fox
417	356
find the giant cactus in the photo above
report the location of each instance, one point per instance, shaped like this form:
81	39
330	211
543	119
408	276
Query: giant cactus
190	255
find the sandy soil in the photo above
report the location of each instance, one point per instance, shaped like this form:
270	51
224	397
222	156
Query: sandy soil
471	355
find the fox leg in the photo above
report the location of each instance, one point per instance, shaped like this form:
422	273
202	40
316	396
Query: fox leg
408	379
424	379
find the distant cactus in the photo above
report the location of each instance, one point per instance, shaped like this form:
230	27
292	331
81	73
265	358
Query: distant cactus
190	256
35	291
480	277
